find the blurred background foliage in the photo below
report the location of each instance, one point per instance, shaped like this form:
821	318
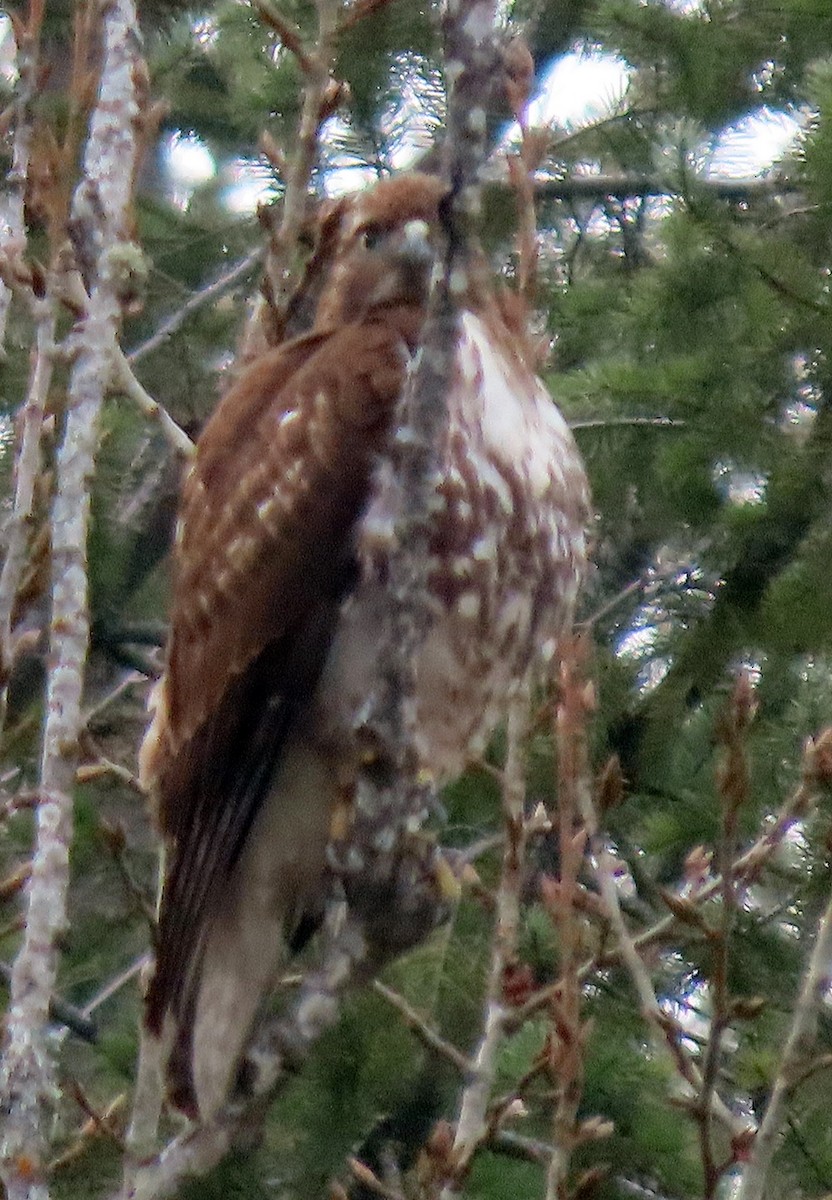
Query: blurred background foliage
689	330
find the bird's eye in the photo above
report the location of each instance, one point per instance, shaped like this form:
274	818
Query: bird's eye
372	236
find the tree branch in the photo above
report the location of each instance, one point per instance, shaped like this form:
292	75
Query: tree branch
801	1038
205	295
27	468
816	773
174	434
12	216
599	187
320	94
100	223
429	1038
473	1127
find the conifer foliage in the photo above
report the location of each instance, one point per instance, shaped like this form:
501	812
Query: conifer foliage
630	997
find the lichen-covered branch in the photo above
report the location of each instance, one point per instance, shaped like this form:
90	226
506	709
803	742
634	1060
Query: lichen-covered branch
27	466
12	248
100	222
12	216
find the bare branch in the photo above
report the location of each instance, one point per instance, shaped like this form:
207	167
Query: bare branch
289	35
198	300
598	187
733	784
97	1125
746	868
565	1044
100	219
27	467
801	1038
473	1127
426	1035
667	1033
666	1030
320	95
175	435
12	217
624	422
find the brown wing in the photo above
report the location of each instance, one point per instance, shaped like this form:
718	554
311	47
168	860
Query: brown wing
264	558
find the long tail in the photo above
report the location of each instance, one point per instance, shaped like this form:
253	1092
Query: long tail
275	885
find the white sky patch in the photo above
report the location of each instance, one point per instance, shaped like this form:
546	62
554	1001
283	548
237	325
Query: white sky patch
343	172
206	31
753	145
588	85
189	164
6	435
411	120
685	8
737	485
580	86
247	185
8	49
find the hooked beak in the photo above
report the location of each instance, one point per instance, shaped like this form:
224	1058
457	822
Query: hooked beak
414	246
410	259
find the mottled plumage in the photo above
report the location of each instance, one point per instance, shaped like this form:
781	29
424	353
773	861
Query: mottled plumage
282	539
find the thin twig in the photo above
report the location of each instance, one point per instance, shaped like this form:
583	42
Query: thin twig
124	685
101	214
104	768
114	986
281	265
205	295
359	10
733	783
666	1031
746	868
473	1126
289	35
565	1043
625	422
97	1125
419	1026
12	214
27	466
636	587
176	436
801	1038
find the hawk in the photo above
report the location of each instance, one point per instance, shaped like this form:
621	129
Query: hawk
278	595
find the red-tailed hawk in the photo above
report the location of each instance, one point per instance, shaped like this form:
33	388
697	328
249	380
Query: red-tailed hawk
279	577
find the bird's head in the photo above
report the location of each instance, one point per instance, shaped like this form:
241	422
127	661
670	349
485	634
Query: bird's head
387	248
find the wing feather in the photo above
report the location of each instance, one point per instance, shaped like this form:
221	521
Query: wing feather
264	558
